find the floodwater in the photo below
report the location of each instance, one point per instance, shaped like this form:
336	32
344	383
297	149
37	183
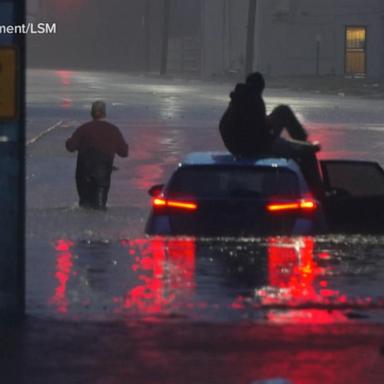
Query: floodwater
280	280
100	266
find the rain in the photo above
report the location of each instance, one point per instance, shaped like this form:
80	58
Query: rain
195	309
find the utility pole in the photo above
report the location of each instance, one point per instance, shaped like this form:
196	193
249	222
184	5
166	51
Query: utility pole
250	45
12	163
147	35
318	43
165	37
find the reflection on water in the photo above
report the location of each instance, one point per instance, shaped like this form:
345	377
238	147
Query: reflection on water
147	172
66	103
277	279
65	78
64	266
295	279
294	276
165	270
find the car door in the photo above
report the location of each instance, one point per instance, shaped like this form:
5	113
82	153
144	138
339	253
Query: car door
354	196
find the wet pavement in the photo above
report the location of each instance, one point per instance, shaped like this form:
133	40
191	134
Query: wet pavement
107	304
207	353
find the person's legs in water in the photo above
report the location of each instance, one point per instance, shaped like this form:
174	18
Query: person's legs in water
101	181
101	197
84	190
283	117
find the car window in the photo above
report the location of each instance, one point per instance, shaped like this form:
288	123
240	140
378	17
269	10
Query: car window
233	182
354	178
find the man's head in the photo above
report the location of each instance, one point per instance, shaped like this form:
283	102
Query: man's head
256	81
98	110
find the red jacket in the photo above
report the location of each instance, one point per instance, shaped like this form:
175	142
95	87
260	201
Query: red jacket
98	135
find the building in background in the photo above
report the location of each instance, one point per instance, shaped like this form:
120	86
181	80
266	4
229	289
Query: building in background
297	37
207	38
184	48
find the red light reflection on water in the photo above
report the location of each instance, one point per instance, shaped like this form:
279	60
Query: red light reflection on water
64	76
166	271
296	280
66	103
148	175
291	267
64	264
334	141
153	147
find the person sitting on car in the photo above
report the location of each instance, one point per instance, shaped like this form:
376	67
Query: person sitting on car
248	131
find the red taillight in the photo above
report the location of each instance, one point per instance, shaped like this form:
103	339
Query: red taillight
159	203
189	206
301	205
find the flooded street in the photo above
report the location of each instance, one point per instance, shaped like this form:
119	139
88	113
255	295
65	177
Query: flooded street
171	304
279	280
100	265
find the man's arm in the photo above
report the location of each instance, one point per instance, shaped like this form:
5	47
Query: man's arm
73	143
121	145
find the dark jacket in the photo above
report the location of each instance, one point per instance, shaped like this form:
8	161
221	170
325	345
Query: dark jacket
243	126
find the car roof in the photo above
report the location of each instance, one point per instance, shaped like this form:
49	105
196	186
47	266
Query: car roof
226	159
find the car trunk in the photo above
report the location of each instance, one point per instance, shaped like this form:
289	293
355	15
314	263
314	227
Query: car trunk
232	217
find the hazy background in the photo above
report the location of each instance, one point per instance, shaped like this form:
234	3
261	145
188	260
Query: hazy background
208	38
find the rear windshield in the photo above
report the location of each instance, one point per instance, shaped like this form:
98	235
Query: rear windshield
233	182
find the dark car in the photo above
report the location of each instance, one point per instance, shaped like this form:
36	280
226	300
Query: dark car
215	194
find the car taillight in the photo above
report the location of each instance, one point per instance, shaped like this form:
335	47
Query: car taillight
306	205
183	205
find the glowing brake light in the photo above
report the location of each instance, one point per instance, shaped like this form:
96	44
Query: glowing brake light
306	205
174	204
159	203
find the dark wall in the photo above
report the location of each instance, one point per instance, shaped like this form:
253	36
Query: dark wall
185	18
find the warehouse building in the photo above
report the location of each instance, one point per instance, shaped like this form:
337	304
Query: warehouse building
207	38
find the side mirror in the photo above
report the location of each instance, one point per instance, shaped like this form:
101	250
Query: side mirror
155	190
